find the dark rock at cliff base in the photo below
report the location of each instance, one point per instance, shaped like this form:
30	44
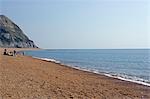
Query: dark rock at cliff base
12	36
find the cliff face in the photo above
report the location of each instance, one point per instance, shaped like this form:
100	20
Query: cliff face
12	36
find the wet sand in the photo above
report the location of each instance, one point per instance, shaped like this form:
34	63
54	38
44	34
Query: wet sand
23	77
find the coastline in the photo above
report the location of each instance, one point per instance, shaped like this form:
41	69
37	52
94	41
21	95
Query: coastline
66	81
99	73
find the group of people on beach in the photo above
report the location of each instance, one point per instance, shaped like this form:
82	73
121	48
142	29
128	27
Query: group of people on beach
12	53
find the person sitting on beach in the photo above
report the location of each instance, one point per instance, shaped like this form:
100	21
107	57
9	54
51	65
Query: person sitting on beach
5	52
15	52
10	53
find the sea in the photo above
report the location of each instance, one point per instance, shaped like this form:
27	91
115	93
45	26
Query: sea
126	64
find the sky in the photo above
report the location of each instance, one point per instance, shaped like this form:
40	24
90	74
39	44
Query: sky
82	24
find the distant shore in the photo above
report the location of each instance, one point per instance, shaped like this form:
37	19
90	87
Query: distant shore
26	77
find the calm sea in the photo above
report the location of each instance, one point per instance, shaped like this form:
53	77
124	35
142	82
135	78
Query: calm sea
126	64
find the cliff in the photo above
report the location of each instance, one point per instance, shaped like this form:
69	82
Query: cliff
12	36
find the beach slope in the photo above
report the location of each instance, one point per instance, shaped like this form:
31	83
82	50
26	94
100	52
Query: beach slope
23	77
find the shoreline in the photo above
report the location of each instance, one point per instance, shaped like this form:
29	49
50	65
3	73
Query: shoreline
99	73
28	78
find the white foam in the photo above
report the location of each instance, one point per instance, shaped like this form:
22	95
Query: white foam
125	78
138	81
121	77
48	59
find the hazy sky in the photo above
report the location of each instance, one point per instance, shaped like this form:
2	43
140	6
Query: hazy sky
82	23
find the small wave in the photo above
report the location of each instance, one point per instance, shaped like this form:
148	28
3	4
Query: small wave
130	79
117	76
48	59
